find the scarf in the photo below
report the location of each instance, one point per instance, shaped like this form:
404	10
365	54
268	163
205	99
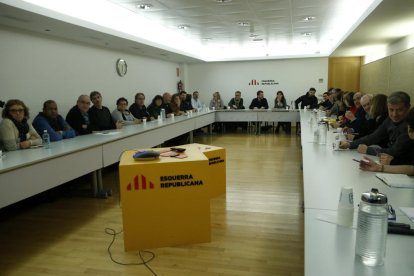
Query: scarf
22	127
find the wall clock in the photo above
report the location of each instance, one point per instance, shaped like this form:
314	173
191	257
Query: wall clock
121	67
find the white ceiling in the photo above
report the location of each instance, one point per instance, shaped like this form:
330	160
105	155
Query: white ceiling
214	26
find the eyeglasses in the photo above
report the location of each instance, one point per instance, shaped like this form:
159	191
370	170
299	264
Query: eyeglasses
85	102
21	110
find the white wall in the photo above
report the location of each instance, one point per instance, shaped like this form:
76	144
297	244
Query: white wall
295	77
36	68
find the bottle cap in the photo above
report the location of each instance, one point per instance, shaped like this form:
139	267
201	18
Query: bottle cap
374	197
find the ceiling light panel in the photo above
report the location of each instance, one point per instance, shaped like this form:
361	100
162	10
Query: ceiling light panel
273	19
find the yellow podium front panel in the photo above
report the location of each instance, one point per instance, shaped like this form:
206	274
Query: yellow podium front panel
216	167
165	202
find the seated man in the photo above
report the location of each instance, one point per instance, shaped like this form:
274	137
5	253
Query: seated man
237	101
53	123
100	115
195	101
392	132
78	116
309	100
138	108
362	126
355	121
327	101
259	102
166	103
185	104
371	165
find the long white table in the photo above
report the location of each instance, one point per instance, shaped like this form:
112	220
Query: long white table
258	115
25	173
330	249
28	172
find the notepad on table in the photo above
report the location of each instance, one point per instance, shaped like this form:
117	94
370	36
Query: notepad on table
396	180
409	212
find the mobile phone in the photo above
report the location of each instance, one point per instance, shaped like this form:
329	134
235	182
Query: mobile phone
360	161
178	149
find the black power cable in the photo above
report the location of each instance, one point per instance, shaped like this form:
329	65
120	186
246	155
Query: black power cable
113	233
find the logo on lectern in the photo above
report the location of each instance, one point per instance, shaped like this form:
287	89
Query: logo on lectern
140	185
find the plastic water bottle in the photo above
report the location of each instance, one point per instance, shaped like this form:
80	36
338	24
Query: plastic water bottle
323	130
372	228
46	139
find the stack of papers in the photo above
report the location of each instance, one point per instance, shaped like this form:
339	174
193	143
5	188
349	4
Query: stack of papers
396	180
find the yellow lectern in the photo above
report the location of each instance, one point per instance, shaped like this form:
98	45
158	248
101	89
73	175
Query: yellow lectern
166	202
216	167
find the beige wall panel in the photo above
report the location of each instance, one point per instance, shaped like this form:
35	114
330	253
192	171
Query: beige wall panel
375	76
402	72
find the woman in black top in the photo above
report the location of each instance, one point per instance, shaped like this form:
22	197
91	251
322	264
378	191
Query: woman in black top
154	109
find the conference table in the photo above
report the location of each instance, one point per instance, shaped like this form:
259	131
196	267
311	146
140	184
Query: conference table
25	173
258	116
330	248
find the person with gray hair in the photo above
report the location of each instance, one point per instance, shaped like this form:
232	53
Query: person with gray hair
392	133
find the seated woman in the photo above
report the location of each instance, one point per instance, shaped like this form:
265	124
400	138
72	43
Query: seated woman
122	114
280	102
16	132
216	101
154	109
371	165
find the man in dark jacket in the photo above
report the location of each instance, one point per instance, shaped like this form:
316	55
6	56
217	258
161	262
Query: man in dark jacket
100	115
259	102
309	100
78	116
138	108
392	132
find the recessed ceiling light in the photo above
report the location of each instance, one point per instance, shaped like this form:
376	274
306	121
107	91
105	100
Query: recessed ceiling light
206	39
258	39
223	1
306	34
309	18
243	24
144	6
183	27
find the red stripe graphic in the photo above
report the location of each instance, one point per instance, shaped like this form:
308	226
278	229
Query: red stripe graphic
136	185
143	182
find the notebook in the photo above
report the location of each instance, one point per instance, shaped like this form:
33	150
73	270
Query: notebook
396	180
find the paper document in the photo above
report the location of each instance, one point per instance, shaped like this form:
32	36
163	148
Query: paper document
409	212
396	180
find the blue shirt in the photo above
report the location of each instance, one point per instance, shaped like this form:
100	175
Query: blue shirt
41	123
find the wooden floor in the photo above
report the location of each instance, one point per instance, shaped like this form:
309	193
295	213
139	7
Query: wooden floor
257	227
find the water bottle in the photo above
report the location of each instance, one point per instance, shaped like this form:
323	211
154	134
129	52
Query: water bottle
372	228
46	139
323	130
163	116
